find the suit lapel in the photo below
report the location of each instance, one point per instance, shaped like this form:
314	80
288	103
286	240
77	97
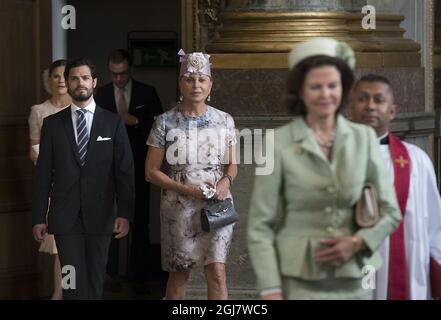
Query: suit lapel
132	103
68	126
341	134
112	100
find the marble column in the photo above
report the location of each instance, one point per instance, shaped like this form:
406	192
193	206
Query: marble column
276	25
299	5
384	6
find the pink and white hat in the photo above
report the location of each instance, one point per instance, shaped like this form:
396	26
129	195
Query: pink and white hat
196	62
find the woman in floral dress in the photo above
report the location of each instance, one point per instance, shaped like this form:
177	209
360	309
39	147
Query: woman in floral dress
197	142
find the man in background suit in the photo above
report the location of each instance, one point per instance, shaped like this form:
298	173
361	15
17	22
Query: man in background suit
138	104
86	167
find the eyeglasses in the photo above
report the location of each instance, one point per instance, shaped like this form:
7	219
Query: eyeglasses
119	74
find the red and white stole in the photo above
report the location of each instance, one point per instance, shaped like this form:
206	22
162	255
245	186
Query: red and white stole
398	285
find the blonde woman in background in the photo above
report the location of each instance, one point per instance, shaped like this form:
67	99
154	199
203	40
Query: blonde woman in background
55	85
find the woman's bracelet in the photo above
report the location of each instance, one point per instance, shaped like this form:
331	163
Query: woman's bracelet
230	178
355	243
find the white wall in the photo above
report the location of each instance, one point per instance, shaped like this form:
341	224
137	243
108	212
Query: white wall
59	35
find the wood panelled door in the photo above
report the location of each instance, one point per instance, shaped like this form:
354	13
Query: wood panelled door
25	37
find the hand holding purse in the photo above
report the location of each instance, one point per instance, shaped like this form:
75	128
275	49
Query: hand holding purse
217	214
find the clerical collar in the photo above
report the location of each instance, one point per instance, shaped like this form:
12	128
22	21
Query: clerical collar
384	139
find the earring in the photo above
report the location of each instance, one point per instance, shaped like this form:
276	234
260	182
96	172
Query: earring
209	98
181	98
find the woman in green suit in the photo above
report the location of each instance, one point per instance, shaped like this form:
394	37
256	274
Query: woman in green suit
314	250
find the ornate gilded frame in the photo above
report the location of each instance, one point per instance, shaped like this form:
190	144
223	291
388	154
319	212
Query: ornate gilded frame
190	27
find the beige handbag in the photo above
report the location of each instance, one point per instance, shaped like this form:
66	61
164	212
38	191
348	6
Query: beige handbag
366	209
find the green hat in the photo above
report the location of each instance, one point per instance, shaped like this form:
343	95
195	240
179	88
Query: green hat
322	46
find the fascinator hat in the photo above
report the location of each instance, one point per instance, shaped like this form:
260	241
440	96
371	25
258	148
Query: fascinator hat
322	46
196	62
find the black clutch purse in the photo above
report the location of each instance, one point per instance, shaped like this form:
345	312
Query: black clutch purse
218	214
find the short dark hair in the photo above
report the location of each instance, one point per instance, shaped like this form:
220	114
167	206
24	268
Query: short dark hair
78	63
56	64
118	56
374	78
296	78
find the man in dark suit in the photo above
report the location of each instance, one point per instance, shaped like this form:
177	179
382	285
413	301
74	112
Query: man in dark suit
138	104
86	168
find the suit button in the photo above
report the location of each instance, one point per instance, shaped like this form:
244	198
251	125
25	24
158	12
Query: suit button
328	210
331	189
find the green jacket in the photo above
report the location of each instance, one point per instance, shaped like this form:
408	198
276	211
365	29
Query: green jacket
317	198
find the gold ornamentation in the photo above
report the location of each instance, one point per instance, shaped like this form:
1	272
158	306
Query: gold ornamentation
211	9
402	162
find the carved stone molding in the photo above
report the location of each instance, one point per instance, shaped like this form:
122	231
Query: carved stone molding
210	10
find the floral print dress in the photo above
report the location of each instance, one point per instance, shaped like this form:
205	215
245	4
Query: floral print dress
195	150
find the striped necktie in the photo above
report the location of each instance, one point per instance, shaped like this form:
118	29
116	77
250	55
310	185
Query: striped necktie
82	135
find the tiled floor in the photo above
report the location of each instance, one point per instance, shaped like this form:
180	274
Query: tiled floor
155	290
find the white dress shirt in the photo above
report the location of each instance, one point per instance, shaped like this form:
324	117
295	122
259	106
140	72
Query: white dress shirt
89	116
127	94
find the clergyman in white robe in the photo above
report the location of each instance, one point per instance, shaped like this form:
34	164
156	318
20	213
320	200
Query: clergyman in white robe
422	227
